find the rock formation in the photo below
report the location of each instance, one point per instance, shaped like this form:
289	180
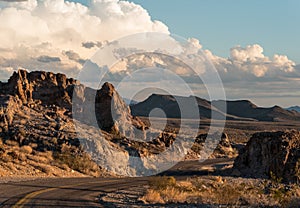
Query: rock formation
36	111
49	89
222	150
46	88
113	115
266	153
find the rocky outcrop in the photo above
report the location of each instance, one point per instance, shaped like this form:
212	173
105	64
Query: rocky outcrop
40	87
36	111
113	115
223	149
266	153
49	89
106	109
49	134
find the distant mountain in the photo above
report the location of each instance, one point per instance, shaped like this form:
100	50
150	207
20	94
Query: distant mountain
294	108
171	107
236	110
246	109
130	102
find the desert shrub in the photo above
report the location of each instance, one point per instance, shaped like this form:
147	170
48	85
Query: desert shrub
153	197
79	162
227	194
162	182
218	191
174	195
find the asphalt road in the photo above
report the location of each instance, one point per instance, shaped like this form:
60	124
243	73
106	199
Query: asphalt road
84	192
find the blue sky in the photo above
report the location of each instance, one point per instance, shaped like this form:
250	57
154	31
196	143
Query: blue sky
220	25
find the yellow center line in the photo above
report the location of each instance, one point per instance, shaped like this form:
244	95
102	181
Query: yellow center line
31	195
27	198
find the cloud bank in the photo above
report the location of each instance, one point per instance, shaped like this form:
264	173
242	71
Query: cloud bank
59	36
34	32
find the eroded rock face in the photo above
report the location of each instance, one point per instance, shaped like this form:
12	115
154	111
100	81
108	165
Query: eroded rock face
106	109
113	115
47	88
271	152
36	111
222	149
44	87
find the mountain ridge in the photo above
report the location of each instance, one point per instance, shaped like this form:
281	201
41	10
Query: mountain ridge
236	109
294	108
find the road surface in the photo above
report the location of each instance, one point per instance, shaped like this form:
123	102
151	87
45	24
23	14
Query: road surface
84	192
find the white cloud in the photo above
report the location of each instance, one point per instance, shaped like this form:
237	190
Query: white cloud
48	28
284	62
250	53
250	62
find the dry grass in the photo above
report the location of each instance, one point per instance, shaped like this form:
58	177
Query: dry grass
162	182
226	192
79	162
152	197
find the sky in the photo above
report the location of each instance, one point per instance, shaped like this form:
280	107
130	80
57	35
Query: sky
252	44
219	25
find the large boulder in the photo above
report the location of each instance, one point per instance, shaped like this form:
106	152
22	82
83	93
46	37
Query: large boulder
271	153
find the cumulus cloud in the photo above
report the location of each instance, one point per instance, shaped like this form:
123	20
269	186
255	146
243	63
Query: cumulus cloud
249	53
38	30
250	63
